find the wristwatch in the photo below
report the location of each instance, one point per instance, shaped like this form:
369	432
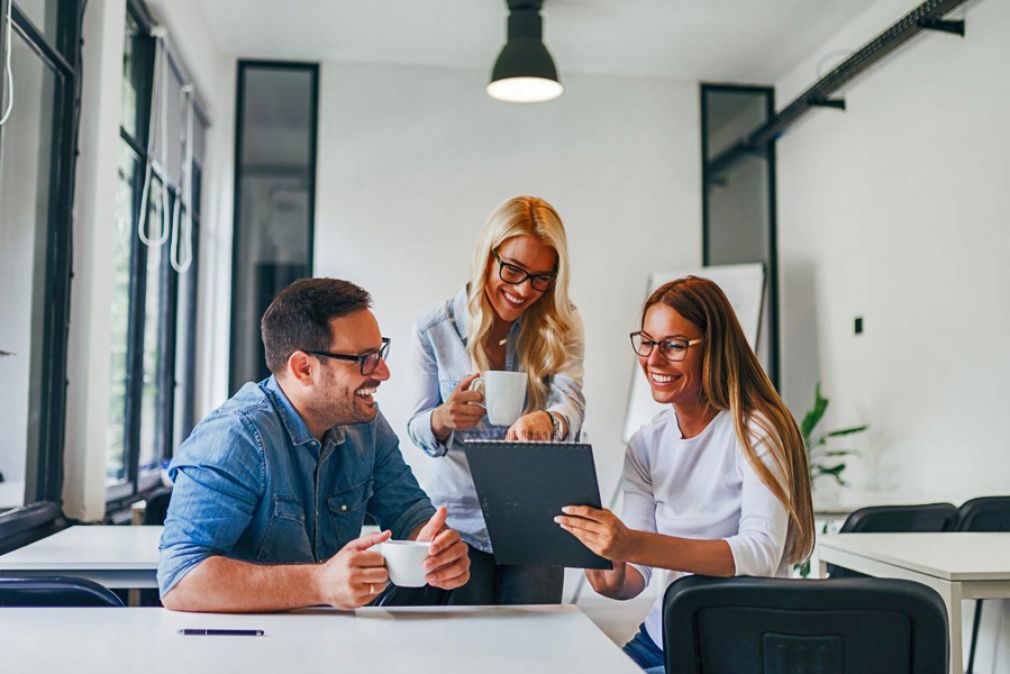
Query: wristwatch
557	430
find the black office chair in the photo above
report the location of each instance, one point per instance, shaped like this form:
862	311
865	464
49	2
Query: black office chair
988	513
54	591
157	506
928	517
782	626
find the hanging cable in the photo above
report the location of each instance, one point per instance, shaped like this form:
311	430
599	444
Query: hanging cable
156	129
184	201
7	67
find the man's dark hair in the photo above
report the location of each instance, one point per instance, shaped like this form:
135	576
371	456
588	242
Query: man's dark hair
299	317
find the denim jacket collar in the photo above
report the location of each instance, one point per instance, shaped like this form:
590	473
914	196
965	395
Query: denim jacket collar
293	423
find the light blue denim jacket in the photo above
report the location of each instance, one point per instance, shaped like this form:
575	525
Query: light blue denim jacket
440	361
251	483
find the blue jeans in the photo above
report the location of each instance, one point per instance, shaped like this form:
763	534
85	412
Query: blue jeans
646	654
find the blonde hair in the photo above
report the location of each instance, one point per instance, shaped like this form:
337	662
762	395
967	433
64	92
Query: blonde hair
733	379
547	323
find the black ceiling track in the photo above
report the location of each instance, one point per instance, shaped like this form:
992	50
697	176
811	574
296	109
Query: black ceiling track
927	16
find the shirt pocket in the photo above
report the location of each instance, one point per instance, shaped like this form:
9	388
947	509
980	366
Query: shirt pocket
346	510
351	500
286	540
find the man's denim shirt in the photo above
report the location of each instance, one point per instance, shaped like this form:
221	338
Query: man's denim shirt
251	483
440	361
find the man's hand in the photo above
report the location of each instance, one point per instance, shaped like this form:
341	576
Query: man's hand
459	412
448	562
354	576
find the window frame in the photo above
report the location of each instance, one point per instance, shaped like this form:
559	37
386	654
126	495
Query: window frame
137	482
771	264
44	472
242	66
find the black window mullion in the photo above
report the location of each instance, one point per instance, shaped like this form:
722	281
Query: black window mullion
167	323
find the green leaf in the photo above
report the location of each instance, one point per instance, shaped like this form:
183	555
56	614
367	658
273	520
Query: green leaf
812	417
842	452
847	431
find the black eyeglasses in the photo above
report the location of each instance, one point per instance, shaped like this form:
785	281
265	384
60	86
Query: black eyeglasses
368	362
514	275
674	349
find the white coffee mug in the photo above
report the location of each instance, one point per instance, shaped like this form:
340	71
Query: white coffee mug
504	395
405	561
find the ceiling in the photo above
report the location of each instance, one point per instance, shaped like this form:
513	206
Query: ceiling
752	41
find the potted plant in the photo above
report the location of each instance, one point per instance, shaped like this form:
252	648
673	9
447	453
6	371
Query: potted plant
823	459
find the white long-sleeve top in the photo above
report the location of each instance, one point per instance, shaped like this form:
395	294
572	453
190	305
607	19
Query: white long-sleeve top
703	488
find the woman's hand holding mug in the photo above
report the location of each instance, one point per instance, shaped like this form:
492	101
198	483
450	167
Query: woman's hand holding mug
461	411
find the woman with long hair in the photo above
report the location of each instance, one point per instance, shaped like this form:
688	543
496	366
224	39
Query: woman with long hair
514	314
717	484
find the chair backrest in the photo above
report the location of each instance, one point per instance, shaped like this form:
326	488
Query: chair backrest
902	518
782	626
54	591
927	517
987	513
157	506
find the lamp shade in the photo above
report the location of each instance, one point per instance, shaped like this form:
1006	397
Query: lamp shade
524	71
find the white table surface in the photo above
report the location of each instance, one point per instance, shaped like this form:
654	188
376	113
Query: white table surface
957	565
487	640
115	556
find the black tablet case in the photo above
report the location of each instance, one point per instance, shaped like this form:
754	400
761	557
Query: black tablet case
522	488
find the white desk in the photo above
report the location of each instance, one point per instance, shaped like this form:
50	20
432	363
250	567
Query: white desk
115	556
489	640
956	565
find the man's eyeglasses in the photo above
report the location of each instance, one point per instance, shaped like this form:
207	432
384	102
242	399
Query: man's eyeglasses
368	362
674	349
514	275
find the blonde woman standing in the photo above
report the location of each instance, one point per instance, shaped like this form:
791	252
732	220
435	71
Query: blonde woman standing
718	483
514	314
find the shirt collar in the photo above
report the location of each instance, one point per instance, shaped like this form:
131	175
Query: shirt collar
293	423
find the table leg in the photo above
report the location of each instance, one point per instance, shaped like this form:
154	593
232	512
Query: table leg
952	594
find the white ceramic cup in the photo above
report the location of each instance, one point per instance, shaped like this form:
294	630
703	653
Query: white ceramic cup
405	561
504	395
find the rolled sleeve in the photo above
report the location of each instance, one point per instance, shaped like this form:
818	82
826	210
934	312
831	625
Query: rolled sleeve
764	522
398	502
218	482
639	510
565	396
426	397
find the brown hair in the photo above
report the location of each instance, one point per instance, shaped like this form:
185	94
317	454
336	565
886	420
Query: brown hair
299	317
733	379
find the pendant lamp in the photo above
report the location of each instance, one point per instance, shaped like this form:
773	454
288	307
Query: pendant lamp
524	71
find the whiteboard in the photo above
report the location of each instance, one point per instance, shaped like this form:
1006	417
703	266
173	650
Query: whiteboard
744	285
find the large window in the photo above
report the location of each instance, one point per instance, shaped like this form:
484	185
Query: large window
275	177
36	193
154	258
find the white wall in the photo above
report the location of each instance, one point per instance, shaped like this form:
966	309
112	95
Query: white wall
897	210
88	368
412	160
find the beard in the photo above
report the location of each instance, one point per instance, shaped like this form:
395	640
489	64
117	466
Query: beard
343	406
